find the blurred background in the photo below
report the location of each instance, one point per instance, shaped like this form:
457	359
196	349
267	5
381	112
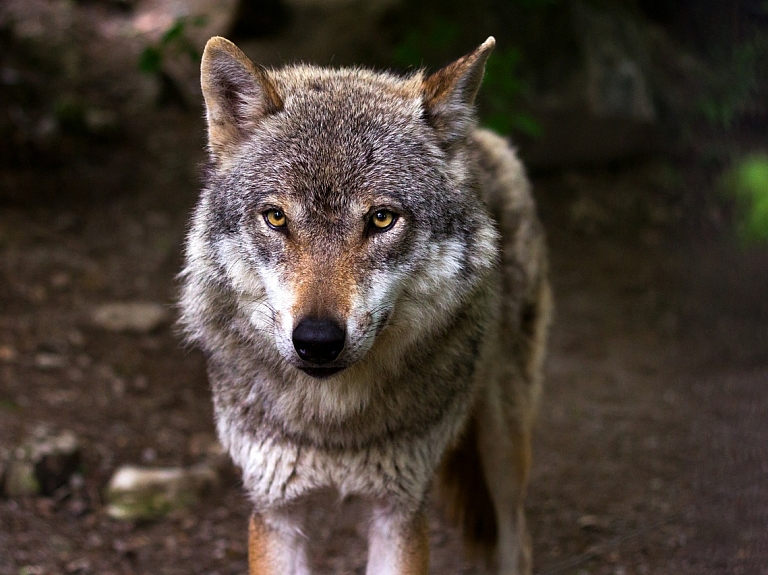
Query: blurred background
644	126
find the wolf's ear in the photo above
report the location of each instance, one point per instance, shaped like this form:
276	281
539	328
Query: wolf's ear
449	94
237	94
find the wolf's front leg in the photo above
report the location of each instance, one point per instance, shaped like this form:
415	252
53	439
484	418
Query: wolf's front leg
398	544
276	547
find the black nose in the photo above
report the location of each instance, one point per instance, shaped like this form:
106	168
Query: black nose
318	340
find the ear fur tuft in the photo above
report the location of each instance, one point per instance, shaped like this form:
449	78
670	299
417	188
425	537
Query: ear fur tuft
237	94
449	94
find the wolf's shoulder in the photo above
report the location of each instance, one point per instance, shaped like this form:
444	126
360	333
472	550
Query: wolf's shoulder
506	191
501	174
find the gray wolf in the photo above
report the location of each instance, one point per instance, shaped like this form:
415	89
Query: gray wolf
367	276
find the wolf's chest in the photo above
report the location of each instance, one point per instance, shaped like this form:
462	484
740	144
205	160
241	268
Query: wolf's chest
277	470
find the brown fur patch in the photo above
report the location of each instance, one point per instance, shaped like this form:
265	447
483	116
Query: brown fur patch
323	289
237	93
416	556
464	492
461	78
521	439
449	94
259	560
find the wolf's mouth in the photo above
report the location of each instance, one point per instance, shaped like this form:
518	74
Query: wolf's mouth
321	372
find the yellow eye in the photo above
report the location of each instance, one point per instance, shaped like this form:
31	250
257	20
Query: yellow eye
275	218
383	220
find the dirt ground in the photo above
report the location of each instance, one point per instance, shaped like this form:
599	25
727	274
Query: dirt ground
652	451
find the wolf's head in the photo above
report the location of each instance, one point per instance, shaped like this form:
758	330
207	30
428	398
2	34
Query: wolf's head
341	206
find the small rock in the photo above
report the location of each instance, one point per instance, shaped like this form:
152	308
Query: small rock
588	521
135	317
42	464
20	480
82	565
101	122
148	493
49	361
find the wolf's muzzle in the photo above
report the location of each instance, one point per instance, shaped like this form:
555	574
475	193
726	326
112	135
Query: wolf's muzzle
318	340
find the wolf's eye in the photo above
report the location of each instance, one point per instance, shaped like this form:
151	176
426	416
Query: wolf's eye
275	218
382	220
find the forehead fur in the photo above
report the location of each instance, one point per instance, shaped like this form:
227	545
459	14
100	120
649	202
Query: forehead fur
378	87
241	96
337	106
342	131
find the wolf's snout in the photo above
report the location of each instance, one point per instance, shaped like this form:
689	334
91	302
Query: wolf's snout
318	340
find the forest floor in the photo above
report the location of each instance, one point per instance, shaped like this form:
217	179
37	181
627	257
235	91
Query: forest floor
651	454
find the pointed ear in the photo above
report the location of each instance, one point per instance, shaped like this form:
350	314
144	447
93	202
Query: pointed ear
449	94
237	94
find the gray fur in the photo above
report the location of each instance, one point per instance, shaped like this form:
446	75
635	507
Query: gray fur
452	297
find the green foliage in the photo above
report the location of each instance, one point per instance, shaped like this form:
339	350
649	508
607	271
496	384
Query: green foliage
437	38
734	82
503	87
173	40
747	183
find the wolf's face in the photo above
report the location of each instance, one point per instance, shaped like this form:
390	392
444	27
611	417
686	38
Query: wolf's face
334	208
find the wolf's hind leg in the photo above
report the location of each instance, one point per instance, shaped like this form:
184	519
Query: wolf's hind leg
482	485
505	454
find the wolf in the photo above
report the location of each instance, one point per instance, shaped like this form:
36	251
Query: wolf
367	277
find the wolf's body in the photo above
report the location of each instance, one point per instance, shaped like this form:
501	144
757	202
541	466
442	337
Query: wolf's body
367	277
